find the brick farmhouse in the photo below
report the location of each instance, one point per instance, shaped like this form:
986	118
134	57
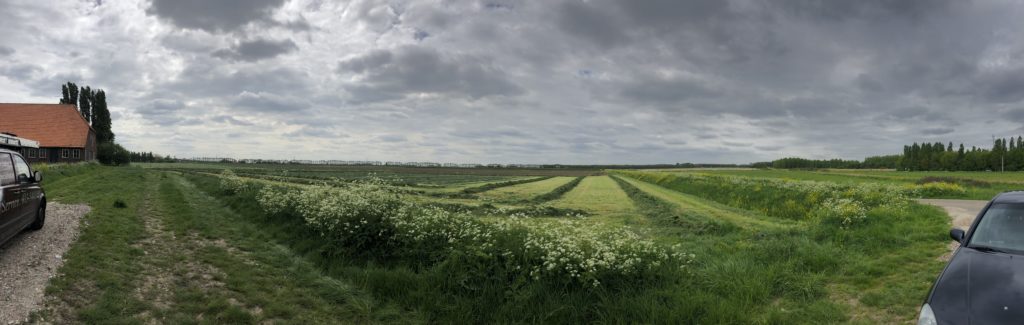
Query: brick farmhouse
63	134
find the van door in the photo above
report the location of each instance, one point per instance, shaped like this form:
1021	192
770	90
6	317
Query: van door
11	211
29	191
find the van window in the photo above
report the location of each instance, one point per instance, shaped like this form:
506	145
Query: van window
6	169
21	167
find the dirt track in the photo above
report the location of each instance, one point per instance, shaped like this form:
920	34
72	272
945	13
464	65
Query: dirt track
962	212
28	261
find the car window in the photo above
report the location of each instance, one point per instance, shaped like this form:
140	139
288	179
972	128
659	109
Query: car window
21	167
1001	227
6	169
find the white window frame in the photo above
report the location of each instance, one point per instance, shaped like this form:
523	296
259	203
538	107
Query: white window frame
42	152
65	153
31	152
75	154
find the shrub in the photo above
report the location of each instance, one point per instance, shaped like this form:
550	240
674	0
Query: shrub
842	211
109	153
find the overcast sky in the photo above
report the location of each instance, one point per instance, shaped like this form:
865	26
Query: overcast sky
653	81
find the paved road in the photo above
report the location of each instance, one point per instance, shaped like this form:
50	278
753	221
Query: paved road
962	212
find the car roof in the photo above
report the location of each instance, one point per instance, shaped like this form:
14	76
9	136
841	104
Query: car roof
1010	197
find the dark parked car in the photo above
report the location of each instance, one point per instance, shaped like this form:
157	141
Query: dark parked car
984	281
22	201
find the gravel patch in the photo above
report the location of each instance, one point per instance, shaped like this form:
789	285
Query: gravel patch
29	260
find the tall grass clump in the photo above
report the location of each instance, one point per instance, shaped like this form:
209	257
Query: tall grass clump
370	220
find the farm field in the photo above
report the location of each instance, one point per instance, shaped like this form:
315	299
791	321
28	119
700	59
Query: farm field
526	191
599	195
663	246
976	185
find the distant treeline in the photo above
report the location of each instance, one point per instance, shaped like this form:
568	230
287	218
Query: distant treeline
876	162
148	157
1006	154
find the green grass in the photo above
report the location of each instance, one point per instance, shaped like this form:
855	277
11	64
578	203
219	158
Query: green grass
599	195
175	255
874	272
998	182
526	191
685	204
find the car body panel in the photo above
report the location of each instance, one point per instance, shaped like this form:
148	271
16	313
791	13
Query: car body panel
18	201
981	287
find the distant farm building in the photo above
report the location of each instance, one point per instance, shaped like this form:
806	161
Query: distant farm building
63	135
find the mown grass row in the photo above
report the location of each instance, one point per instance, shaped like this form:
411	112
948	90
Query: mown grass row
491	186
558	192
667	213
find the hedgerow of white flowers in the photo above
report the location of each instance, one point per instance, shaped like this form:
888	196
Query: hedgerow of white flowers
369	215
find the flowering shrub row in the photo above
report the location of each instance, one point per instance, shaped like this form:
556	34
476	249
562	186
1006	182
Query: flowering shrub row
373	220
845	203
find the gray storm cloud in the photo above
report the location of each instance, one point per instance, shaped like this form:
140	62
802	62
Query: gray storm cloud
598	81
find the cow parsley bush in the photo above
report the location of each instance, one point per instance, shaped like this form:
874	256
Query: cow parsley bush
571	249
844	211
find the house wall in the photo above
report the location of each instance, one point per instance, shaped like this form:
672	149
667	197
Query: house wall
57	155
62	154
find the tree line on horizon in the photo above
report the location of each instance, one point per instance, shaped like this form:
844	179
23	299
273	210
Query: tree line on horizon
1005	154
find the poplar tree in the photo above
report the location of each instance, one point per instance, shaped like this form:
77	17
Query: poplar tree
85	103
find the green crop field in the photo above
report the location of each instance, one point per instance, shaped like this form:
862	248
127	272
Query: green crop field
314	244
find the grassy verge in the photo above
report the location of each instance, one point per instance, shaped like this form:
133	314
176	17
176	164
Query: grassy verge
175	255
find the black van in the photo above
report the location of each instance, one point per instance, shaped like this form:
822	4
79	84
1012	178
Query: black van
22	200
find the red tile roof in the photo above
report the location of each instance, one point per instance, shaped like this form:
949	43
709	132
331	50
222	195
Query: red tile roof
53	125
